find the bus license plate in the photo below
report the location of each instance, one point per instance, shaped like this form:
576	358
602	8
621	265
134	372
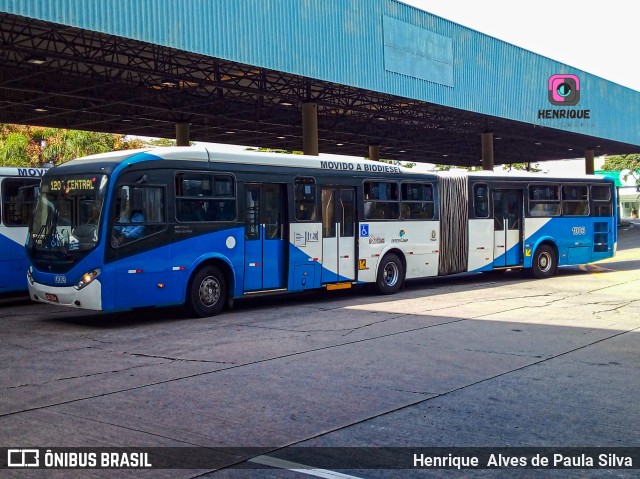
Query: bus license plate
51	297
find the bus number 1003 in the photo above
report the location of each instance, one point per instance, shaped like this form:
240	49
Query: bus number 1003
579	230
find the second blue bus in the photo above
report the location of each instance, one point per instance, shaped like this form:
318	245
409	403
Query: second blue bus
18	191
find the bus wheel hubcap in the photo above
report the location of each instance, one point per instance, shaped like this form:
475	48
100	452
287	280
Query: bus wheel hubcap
544	262
209	291
391	274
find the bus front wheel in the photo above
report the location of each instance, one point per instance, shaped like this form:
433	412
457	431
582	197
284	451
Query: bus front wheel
390	274
207	292
545	262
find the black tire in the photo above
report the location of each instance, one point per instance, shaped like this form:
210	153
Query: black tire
207	293
390	274
545	262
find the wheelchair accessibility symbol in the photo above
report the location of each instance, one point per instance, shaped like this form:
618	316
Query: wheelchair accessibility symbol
364	230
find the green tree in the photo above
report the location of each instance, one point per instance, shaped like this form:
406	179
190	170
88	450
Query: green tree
275	150
22	145
451	167
406	164
506	167
624	162
522	167
64	145
13	150
156	142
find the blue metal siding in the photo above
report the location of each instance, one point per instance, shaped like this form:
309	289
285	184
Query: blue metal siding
417	52
343	41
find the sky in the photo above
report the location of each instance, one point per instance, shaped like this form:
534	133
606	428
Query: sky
597	36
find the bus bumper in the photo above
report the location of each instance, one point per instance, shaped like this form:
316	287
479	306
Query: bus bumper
89	297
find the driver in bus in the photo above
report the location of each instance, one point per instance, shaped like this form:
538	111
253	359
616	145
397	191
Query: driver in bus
132	231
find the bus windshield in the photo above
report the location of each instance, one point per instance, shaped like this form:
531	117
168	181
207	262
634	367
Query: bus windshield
66	219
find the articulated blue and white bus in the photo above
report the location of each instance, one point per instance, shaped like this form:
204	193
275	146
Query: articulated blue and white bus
18	190
193	226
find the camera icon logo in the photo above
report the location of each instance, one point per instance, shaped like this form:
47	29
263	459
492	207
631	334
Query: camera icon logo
564	90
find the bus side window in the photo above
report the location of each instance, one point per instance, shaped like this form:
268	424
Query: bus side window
305	199
383	200
536	209
481	201
602	200
203	197
544	200
224	211
416	201
18	197
141	213
575	200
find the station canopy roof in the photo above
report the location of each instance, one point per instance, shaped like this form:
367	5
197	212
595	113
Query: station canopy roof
68	77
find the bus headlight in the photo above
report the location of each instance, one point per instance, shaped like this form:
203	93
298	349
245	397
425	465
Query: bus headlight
87	278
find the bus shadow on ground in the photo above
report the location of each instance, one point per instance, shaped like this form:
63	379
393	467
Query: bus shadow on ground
124	319
611	266
322	299
366	294
423	287
8	300
360	294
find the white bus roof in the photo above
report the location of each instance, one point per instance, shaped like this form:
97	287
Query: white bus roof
325	163
197	153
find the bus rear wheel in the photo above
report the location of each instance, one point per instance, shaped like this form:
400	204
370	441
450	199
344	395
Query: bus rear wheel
545	262
390	274
207	292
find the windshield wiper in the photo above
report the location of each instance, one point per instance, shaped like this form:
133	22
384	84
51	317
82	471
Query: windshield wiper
45	234
41	235
59	240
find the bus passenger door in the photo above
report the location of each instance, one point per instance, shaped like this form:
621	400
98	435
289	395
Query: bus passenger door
507	215
264	247
338	234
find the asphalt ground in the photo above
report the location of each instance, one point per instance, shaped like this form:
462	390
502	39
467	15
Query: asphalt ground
498	360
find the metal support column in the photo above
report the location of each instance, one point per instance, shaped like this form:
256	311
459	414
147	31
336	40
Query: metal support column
374	152
182	134
487	151
588	162
310	128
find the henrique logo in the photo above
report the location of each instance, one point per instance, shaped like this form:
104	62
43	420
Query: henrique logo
564	89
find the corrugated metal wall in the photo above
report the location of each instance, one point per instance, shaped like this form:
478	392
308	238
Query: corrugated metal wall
342	41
